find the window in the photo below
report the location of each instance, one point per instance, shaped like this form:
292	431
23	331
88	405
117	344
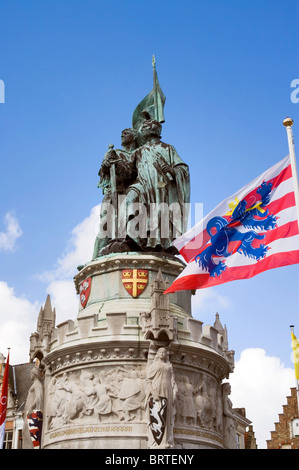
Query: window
7	444
20	439
295	427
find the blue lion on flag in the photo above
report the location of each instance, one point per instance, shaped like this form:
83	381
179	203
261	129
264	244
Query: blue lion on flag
223	231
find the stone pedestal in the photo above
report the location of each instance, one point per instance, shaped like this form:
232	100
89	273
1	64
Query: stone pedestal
96	371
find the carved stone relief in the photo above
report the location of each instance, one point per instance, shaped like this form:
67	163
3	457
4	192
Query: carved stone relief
96	395
160	394
199	402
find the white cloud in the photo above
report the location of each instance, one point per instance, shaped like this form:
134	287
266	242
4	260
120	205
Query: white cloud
79	249
12	232
18	320
208	301
60	279
260	384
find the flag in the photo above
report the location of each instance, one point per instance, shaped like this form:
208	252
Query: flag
35	425
295	346
152	106
3	402
253	230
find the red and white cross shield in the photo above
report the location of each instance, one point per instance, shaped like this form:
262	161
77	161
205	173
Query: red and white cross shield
134	280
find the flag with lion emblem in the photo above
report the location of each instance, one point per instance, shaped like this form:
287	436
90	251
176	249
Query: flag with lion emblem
254	230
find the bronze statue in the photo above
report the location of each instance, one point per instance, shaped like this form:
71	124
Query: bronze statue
115	173
162	186
146	187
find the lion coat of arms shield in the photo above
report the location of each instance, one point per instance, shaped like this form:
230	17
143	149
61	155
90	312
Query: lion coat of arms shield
157	417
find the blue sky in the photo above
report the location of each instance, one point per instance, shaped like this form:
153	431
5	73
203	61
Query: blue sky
74	71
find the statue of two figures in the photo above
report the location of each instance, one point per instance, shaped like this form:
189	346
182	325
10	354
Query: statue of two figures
146	187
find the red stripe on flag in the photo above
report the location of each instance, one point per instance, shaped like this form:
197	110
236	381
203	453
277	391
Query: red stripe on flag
284	202
253	196
201	281
284	175
287	230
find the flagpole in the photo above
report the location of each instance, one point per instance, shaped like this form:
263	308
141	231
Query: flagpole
288	122
297	380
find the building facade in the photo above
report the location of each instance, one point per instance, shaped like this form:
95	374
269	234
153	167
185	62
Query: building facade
19	383
286	434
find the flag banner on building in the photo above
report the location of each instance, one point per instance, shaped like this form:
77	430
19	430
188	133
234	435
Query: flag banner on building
295	346
253	230
3	402
35	424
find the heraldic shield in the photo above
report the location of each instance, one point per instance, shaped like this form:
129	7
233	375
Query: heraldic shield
157	416
134	280
84	291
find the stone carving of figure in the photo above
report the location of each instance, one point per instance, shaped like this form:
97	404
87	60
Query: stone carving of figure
162	179
124	174
188	411
132	394
54	403
105	393
204	405
57	399
215	398
74	397
87	387
74	402
180	399
229	420
33	409
161	390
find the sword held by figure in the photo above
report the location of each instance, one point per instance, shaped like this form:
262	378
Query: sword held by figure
113	188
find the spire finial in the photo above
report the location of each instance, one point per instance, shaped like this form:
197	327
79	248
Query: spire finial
288	122
154	62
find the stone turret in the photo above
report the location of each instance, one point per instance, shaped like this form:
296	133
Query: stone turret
222	330
159	324
229	355
40	340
